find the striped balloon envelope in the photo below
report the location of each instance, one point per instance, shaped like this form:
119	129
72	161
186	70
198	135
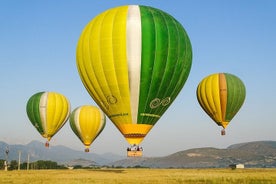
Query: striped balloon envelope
87	122
134	61
221	95
48	112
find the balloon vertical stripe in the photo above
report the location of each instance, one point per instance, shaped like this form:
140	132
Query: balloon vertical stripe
43	112
134	57
223	94
216	97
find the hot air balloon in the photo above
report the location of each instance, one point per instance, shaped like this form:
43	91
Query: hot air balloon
221	95
87	122
134	60
48	112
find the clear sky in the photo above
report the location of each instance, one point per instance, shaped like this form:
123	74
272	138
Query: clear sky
37	53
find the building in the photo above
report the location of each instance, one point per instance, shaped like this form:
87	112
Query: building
236	166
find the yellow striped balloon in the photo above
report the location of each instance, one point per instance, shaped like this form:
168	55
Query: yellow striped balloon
221	95
87	122
48	112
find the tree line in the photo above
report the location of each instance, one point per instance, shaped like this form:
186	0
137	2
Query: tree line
47	164
40	164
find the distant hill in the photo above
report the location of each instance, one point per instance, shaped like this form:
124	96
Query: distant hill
60	154
252	154
258	147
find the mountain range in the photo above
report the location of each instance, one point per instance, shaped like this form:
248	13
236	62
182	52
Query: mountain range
60	154
251	154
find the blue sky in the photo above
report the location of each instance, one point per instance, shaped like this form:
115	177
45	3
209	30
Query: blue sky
38	41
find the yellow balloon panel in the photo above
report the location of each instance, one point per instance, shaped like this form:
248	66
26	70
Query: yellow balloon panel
57	113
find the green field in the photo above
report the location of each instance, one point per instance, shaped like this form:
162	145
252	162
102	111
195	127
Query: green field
143	176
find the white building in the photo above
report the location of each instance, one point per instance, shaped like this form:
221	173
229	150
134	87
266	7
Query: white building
237	166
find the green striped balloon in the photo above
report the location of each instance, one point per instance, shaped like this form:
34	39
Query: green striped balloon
48	112
134	61
221	95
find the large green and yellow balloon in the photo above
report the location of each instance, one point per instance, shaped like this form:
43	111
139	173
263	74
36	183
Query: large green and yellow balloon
221	95
48	112
87	122
134	60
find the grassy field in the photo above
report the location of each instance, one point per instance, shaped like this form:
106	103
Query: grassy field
143	176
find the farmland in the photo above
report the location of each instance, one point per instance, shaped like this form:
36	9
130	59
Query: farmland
145	176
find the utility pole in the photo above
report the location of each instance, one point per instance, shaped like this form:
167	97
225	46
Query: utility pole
28	161
19	159
6	161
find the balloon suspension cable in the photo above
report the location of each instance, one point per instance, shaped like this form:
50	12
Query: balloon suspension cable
47	144
223	132
86	150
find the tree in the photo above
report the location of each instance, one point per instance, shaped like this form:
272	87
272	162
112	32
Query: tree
13	165
2	162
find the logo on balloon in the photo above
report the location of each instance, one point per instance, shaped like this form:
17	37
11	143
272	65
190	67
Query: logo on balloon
157	102
111	99
166	101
